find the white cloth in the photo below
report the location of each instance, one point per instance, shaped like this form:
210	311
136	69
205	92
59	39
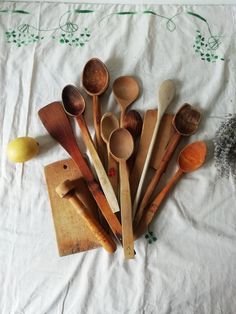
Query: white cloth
191	267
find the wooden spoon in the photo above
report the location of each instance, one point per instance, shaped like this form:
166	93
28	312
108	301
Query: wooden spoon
57	124
109	123
95	80
166	95
121	146
133	122
125	90
74	105
190	158
67	190
185	122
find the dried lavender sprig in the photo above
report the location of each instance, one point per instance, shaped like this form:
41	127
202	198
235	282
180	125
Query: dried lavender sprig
225	148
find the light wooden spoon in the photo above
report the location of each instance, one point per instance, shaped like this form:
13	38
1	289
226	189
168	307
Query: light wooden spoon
125	90
74	105
95	80
185	122
190	159
121	146
166	95
109	123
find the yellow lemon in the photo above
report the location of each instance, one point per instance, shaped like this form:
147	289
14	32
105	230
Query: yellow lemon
22	149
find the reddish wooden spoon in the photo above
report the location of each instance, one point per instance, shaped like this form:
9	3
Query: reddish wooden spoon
191	158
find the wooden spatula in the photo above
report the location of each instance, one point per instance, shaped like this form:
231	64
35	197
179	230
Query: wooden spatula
57	124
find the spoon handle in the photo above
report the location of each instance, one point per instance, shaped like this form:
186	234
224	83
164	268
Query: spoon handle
113	172
96	123
147	161
153	208
157	175
101	173
126	212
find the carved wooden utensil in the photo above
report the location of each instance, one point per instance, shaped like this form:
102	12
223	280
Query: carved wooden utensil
125	90
109	123
57	124
74	105
185	122
121	146
67	190
190	159
166	95
95	80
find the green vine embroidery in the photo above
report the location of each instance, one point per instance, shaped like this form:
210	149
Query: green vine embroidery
170	25
72	34
204	47
67	32
150	237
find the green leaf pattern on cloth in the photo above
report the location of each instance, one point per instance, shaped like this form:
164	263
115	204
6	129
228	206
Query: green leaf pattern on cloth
72	34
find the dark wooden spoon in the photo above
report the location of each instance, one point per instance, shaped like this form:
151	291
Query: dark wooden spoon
95	80
185	122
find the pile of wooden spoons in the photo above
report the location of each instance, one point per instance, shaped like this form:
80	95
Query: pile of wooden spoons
114	152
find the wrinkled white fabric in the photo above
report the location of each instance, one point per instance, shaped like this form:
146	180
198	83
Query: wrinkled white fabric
191	267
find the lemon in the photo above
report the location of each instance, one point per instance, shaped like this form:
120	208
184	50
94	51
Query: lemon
22	149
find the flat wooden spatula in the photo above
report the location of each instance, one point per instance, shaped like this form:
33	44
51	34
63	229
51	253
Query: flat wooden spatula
58	126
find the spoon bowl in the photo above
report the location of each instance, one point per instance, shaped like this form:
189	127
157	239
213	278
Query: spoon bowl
186	120
95	77
72	100
192	156
109	123
133	122
121	144
126	91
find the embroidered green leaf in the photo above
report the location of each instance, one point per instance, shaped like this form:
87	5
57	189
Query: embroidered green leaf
83	11
4	11
20	11
197	15
149	12
127	13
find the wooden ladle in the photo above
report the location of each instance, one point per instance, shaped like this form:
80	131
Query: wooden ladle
126	91
95	80
121	146
74	105
185	122
109	123
57	124
190	159
166	95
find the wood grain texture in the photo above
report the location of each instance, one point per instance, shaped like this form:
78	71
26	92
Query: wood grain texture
72	234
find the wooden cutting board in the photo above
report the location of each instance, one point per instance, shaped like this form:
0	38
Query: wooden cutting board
72	234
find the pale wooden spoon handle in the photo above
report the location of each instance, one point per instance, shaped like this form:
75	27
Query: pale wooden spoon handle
113	173
126	212
101	173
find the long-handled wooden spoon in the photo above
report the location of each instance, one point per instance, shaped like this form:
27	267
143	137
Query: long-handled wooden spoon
166	95
125	90
74	105
95	80
191	158
109	123
121	146
58	125
67	190
185	122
